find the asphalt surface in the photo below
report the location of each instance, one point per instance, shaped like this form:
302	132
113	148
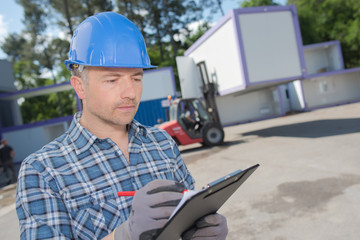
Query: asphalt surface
307	185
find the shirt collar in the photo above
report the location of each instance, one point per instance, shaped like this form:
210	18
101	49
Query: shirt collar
83	139
136	128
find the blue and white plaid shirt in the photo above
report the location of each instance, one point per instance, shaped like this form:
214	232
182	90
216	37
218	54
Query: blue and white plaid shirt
68	189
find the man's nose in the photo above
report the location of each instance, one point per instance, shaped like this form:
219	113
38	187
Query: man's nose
128	90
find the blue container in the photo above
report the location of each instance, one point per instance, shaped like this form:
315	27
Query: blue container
150	112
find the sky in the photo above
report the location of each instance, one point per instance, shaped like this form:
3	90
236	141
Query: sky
11	17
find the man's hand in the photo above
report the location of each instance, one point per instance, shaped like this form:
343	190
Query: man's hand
152	206
211	227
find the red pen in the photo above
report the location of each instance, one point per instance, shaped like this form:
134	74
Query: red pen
126	193
131	193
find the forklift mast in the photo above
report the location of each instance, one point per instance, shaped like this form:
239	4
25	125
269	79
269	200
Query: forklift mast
209	91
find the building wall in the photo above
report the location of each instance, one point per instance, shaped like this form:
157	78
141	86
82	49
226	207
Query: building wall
9	110
271	45
239	108
152	112
221	55
6	77
6	119
296	96
189	76
28	139
332	89
158	83
323	57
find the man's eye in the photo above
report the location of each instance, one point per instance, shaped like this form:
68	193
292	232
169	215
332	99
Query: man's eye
111	81
138	79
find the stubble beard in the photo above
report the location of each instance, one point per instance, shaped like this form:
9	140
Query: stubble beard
113	117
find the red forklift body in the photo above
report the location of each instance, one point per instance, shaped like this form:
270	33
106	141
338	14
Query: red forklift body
190	123
174	129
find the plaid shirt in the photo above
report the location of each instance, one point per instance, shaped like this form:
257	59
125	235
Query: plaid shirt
68	189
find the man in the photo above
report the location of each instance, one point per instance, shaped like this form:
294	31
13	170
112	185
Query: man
6	155
188	117
68	189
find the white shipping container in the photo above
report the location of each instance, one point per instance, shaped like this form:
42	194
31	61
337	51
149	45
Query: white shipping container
252	48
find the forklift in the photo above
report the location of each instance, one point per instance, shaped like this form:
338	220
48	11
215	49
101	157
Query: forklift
192	122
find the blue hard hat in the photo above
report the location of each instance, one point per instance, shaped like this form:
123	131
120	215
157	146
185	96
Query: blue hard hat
108	39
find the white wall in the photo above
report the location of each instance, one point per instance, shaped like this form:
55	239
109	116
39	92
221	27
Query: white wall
221	55
189	76
6	77
329	90
26	141
235	108
296	96
16	113
270	46
322	59
335	58
285	97
157	84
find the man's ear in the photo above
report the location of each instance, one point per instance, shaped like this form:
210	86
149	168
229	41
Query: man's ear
78	85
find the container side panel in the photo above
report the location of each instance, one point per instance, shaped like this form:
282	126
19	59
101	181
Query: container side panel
332	90
152	112
324	58
296	95
221	56
335	58
7	77
317	61
270	46
158	84
190	81
235	108
37	136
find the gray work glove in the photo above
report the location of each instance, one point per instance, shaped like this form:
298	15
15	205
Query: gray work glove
210	227
152	206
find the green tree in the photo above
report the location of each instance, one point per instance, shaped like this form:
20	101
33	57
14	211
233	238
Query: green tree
326	20
256	3
161	21
14	46
72	12
194	36
214	6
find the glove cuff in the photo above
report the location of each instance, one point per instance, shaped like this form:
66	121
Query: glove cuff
122	232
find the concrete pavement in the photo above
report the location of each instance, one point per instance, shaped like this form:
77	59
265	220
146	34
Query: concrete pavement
308	182
307	185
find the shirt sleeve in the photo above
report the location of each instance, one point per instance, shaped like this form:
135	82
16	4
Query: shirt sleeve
41	212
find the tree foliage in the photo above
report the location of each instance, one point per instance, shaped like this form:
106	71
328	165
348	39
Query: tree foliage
69	13
214	6
161	21
256	3
326	20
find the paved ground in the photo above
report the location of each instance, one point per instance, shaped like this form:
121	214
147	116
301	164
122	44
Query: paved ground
307	185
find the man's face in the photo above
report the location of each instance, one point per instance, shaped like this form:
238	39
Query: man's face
112	95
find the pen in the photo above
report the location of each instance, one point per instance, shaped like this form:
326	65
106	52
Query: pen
126	193
131	193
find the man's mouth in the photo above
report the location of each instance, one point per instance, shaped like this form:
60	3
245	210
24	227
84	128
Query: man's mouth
126	108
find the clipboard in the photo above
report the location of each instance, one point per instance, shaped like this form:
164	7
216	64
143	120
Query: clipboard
204	202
